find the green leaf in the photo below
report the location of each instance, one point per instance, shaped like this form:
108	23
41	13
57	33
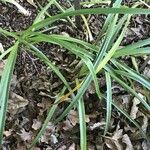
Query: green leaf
82	122
128	88
132	52
132	74
88	11
43	58
109	101
111	52
5	53
47	120
5	85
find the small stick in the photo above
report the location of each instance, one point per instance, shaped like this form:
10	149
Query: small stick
77	18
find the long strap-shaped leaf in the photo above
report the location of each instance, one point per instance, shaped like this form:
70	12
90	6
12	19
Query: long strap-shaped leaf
5	53
128	88
109	101
47	120
4	87
7	33
132	74
89	11
132	52
99	65
80	52
83	136
42	57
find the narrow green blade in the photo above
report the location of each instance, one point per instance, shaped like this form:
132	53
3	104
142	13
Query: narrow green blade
5	85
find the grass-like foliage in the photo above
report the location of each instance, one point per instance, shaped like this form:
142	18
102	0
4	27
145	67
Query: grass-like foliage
102	58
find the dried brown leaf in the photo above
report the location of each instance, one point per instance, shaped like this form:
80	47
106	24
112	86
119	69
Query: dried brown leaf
50	129
8	133
1	48
54	139
67	125
25	136
145	120
62	147
114	141
15	103
144	145
135	108
72	146
127	141
36	124
97	125
2	64
73	117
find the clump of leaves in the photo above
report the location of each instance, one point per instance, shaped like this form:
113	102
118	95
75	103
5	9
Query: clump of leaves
98	59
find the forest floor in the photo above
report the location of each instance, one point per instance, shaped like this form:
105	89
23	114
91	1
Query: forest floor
34	87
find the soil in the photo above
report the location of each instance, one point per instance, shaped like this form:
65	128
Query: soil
34	88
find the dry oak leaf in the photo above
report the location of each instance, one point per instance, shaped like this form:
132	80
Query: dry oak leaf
73	117
127	141
2	64
36	124
72	146
15	103
114	141
134	108
25	136
1	48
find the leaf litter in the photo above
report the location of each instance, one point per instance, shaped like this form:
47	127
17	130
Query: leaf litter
32	93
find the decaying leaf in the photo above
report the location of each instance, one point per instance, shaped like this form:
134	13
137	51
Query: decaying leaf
2	64
135	108
146	72
117	136
97	125
72	146
36	124
144	145
67	125
127	141
15	103
62	147
73	117
145	120
25	136
145	57
114	141
1	48
54	139
8	133
50	129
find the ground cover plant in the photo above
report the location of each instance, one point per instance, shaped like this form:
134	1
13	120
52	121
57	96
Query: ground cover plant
103	58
